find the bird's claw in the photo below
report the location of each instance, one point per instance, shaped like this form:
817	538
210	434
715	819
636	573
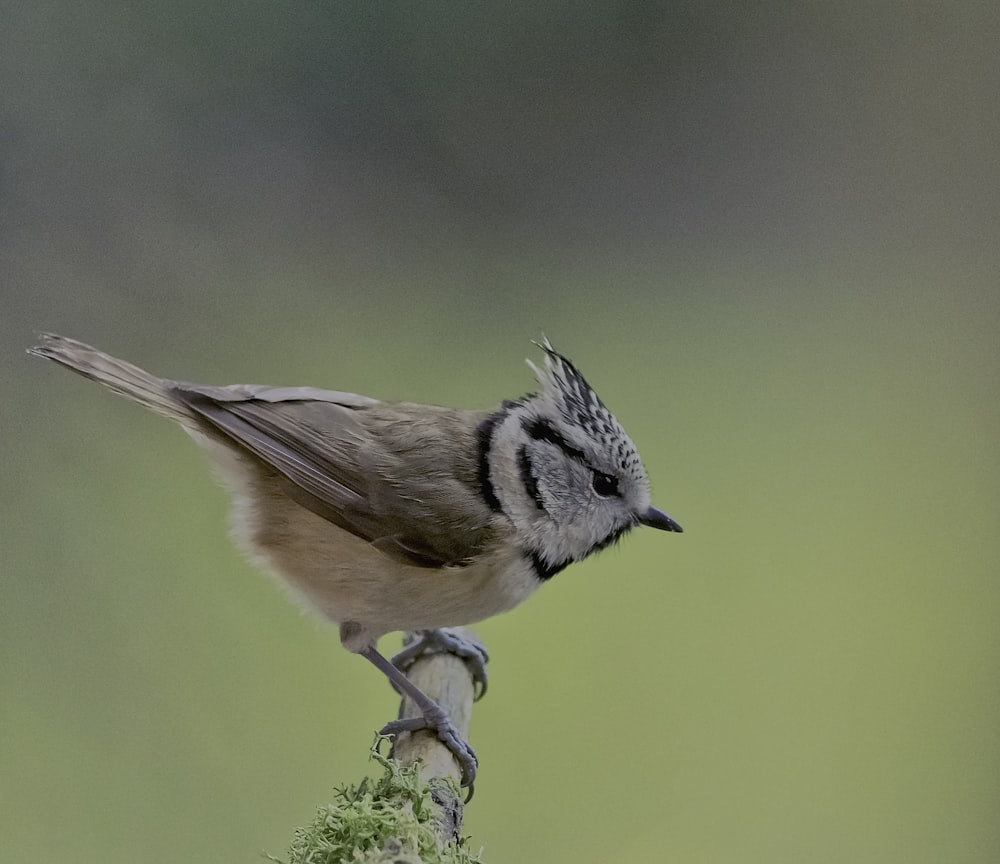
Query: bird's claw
445	640
440	724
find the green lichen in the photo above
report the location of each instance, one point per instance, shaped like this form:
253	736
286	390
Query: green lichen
391	820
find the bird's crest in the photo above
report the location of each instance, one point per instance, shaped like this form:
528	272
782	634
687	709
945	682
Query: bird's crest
578	404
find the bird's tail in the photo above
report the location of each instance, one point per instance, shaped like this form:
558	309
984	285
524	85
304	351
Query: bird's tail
117	375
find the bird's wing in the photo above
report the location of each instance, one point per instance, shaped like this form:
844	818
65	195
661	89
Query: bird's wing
335	465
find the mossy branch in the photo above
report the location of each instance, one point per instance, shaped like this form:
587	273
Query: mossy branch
413	813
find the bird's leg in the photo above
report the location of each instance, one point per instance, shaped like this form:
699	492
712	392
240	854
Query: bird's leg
434	718
445	640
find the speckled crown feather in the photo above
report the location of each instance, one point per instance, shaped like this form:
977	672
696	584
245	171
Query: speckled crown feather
579	405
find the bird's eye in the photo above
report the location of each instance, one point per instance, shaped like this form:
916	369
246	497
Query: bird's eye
605	485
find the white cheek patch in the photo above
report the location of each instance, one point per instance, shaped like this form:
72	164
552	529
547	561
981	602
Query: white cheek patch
563	482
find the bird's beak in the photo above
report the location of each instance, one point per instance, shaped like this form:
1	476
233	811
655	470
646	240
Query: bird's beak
658	519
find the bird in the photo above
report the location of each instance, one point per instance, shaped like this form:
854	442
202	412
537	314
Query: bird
399	516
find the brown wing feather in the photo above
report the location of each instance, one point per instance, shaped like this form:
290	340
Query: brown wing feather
337	459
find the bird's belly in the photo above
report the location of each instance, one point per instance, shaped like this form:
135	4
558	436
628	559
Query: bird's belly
346	579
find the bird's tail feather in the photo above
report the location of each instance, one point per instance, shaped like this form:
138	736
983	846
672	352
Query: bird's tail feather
117	375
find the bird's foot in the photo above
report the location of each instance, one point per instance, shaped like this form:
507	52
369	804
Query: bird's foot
435	719
445	640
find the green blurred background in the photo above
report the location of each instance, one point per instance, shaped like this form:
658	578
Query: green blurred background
768	233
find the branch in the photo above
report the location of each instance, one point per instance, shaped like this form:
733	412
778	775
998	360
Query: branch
448	681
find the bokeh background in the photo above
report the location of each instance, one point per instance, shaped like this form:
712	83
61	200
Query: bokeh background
768	233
